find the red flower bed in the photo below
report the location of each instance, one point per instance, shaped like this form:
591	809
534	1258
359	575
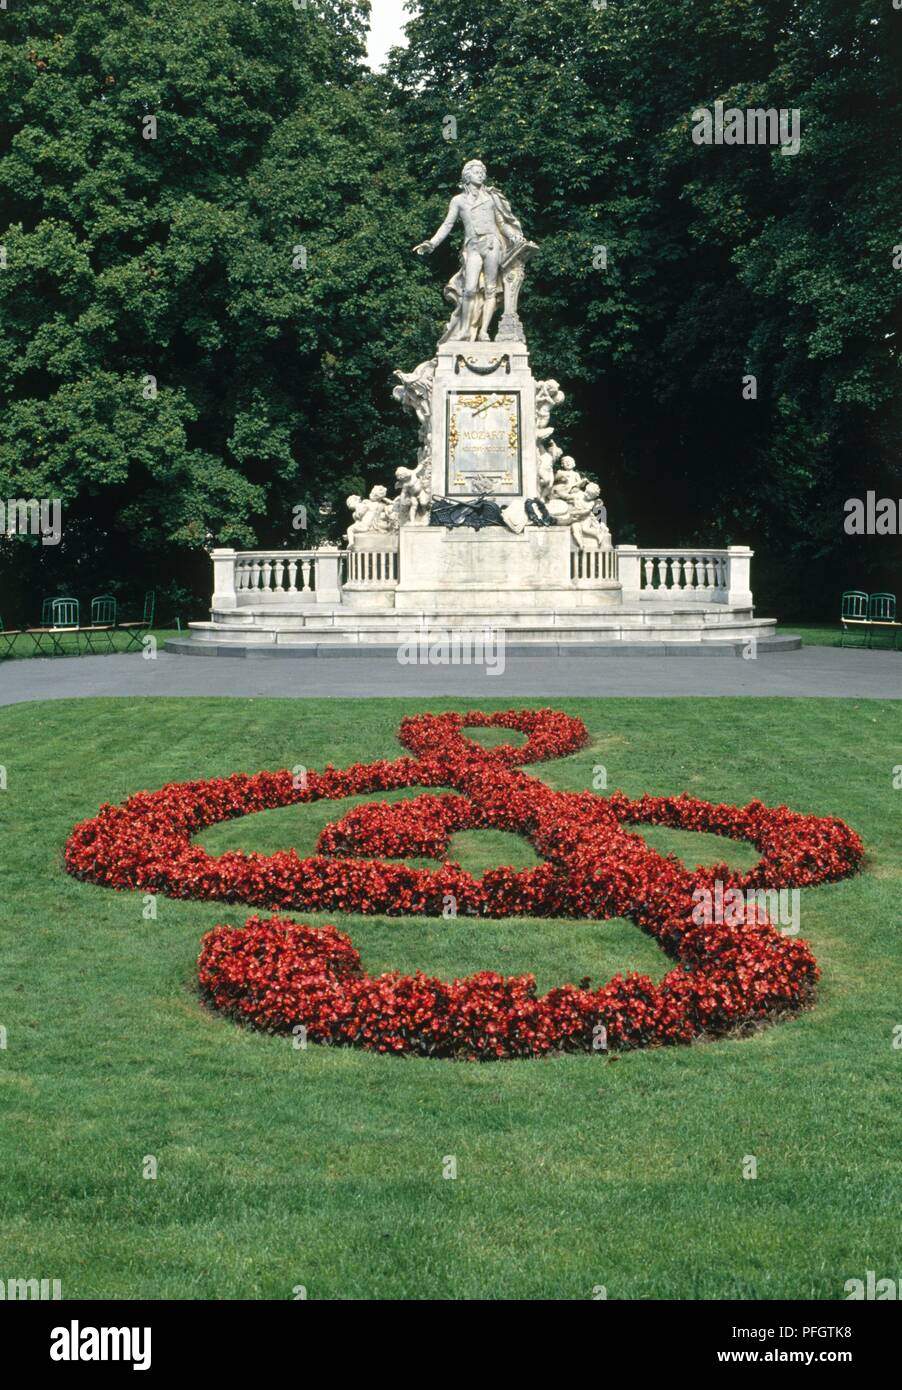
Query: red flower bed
277	974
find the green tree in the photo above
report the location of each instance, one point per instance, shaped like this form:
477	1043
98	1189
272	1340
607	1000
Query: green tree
203	214
198	330
670	271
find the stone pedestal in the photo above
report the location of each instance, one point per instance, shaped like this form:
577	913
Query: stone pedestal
477	407
488	571
371	574
629	571
739	589
484	422
328	576
224	595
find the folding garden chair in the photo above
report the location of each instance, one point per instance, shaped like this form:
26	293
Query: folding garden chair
63	618
8	639
137	630
882	614
103	623
854	613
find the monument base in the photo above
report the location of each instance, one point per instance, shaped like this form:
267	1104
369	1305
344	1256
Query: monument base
491	570
702	630
540	590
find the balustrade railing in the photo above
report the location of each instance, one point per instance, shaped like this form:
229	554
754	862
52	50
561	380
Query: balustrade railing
698	574
275	572
593	567
646	574
692	572
248	577
371	569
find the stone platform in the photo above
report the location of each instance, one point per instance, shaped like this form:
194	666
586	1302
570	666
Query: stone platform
765	646
471	584
642	626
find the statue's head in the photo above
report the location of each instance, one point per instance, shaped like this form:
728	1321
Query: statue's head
592	490
353	501
378	493
473	172
402	474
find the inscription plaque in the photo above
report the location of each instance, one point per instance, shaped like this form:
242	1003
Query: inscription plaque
482	449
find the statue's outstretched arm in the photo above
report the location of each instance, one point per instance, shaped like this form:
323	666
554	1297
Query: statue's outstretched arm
426	248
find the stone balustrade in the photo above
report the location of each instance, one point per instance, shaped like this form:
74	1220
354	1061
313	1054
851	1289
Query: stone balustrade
693	573
292	573
592	568
250	577
372	568
645	574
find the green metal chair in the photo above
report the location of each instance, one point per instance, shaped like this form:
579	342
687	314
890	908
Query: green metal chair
103	623
64	617
8	639
854	613
136	631
882	614
47	611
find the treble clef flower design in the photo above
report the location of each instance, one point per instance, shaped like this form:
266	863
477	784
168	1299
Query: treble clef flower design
277	974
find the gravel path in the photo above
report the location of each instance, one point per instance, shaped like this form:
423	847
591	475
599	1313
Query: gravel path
825	671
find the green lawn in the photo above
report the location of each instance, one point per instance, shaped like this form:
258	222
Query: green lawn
818	634
830	635
323	1167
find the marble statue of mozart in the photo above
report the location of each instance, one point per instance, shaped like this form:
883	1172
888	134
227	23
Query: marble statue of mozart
493	242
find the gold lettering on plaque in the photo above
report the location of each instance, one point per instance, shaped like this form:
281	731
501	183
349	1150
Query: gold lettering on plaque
483	442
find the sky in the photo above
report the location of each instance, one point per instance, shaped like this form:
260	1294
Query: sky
385	29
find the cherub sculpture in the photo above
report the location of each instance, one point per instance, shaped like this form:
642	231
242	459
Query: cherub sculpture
548	395
567	482
373	513
588	532
414	501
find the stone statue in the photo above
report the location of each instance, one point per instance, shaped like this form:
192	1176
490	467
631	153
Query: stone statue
567	482
588	532
373	513
547	458
494	248
574	501
492	265
548	395
414	501
415	395
358	512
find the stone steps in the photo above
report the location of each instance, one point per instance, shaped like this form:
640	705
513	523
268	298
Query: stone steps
737	648
653	629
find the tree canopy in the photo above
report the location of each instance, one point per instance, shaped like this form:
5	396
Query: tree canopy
208	212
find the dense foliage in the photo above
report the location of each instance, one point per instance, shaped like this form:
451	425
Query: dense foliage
722	261
244	258
253	258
